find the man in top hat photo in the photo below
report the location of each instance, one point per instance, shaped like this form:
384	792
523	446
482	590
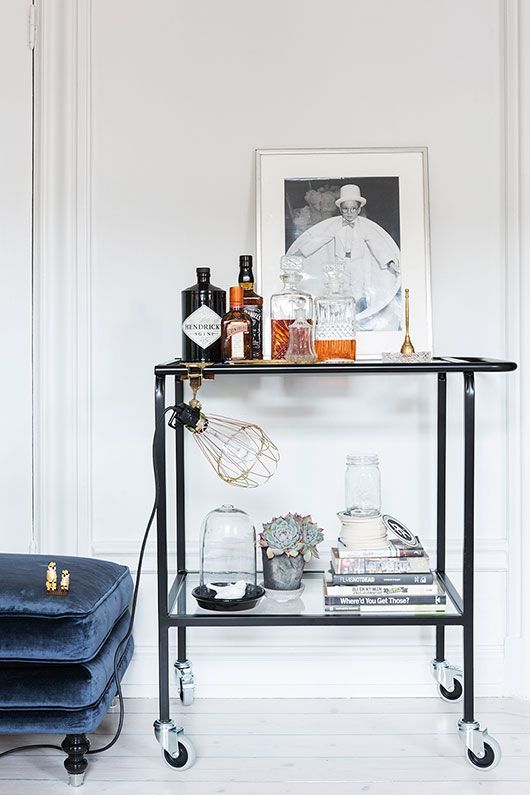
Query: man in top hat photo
371	255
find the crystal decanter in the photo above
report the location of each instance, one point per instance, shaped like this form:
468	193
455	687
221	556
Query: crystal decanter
284	305
335	316
300	349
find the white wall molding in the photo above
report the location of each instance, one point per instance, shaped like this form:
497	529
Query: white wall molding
292	672
83	295
16	99
513	224
491	555
521	656
62	279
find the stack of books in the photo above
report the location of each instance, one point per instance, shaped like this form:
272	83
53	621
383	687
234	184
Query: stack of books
395	579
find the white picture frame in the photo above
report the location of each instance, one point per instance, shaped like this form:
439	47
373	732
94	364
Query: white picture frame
394	185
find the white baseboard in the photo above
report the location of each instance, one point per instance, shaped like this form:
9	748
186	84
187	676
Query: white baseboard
310	673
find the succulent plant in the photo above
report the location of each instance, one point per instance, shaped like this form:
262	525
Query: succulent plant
281	536
291	535
312	535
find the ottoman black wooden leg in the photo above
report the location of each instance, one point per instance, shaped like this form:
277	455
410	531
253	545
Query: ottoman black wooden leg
76	746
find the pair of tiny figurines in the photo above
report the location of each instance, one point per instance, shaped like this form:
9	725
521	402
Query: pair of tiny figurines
51	580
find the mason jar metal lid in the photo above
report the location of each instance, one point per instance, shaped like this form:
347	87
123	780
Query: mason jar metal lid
362	459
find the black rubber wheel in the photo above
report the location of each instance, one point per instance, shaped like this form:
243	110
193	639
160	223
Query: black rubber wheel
487	760
177	761
452	695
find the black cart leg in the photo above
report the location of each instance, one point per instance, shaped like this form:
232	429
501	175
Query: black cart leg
482	750
177	750
181	644
183	670
76	746
447	676
161	533
182	666
441	499
469	552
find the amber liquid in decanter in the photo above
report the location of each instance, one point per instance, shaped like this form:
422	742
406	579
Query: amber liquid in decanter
335	316
280	337
335	349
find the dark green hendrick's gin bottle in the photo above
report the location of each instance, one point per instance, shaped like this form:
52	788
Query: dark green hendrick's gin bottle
203	306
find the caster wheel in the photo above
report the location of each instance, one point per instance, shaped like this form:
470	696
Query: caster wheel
452	695
186	755
491	758
186	695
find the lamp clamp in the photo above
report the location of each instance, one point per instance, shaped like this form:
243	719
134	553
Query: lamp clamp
195	373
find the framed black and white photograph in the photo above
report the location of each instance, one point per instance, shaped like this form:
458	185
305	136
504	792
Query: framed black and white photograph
367	208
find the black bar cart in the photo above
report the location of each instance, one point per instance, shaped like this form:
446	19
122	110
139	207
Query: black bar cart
176	607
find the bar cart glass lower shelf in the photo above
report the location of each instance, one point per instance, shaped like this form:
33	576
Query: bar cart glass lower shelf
177	607
307	610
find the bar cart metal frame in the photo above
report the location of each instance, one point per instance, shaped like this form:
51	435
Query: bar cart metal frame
482	750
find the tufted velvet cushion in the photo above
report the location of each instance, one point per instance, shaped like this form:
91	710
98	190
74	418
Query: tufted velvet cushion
64	721
38	627
60	685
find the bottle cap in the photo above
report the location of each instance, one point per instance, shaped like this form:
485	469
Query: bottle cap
245	260
203	272
236	296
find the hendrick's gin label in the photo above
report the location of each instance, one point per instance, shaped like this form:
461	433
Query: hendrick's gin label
203	307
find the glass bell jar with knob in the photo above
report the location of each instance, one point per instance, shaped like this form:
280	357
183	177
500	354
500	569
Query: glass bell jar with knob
228	561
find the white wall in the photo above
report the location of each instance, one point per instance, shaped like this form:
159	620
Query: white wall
163	106
15	270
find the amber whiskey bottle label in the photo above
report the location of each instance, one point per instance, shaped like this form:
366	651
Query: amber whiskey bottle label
255	313
235	334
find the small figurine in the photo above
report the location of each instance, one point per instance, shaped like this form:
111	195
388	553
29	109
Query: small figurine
65	581
51	576
234	590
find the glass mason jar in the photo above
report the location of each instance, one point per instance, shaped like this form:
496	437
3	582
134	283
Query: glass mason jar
228	548
363	485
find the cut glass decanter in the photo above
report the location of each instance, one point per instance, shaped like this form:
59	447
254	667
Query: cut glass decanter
335	316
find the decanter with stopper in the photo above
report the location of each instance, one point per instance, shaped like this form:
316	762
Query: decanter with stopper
300	349
335	316
284	305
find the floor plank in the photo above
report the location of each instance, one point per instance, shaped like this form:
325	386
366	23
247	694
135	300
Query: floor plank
234	788
290	747
328	706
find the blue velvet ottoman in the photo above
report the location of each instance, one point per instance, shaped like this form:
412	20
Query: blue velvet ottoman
57	651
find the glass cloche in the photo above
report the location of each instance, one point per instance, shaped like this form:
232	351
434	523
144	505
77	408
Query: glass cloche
228	561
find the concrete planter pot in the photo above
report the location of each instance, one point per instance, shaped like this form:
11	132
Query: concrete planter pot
282	576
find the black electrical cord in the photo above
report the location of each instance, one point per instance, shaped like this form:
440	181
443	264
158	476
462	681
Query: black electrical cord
123	642
29	748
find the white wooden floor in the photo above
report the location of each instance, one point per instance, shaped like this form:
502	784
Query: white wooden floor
293	746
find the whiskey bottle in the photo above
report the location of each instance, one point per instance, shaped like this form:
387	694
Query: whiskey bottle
203	307
252	304
236	329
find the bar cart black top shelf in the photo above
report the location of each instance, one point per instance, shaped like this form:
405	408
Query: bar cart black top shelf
439	364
